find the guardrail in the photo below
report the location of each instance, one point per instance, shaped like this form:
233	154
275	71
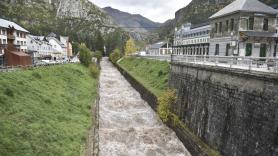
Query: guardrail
13	68
157	57
264	64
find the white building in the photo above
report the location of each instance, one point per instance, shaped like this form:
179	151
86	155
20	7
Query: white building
66	41
160	48
192	40
39	46
59	49
19	36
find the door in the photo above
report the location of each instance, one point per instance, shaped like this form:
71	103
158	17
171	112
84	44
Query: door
263	50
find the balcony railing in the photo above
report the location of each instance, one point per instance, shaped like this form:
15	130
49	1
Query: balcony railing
9	36
263	64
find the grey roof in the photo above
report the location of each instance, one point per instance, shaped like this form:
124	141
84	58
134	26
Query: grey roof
6	24
59	42
245	6
157	45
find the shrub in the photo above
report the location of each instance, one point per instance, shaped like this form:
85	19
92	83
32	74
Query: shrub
98	55
85	55
94	70
164	105
9	92
37	75
115	56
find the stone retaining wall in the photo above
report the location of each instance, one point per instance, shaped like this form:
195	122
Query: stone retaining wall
234	111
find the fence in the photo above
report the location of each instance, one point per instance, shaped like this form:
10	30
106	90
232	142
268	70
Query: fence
13	68
263	64
158	57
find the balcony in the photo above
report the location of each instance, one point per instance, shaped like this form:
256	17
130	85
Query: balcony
11	37
3	45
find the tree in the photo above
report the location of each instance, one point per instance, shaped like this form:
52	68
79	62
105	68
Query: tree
99	42
113	40
85	55
130	47
98	56
75	47
115	56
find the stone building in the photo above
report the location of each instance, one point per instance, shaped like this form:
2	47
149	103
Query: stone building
67	42
192	40
244	28
160	48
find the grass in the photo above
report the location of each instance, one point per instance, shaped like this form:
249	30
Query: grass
46	111
152	74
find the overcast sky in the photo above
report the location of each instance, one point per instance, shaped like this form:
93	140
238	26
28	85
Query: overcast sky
156	10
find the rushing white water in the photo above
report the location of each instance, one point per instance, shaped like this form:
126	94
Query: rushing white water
128	125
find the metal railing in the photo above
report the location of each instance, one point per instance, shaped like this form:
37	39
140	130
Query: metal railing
157	57
264	64
14	68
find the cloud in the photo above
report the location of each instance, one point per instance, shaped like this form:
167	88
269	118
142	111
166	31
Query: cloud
156	10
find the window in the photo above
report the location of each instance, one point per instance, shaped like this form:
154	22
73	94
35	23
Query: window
217	49
248	49
0	41
265	24
227	49
227	26
232	24
17	34
220	27
215	27
18	43
251	23
275	51
4	41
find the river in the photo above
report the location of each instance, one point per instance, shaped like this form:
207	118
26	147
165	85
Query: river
128	125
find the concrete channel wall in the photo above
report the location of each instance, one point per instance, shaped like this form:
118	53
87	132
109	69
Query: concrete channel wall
232	110
190	143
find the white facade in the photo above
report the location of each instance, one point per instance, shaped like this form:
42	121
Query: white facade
39	46
59	49
190	40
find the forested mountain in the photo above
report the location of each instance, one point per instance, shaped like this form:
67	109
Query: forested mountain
131	22
79	19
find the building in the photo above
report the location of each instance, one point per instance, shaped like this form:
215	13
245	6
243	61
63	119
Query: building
59	49
17	35
38	47
192	40
160	48
244	28
67	42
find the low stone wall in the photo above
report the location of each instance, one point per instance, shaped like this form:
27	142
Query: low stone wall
232	110
192	144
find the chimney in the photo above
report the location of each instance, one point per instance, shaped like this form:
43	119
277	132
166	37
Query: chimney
11	38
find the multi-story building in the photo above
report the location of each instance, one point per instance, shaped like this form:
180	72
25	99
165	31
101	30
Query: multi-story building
39	47
18	36
160	48
244	28
192	40
66	41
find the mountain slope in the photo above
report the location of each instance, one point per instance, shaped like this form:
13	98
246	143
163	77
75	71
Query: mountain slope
198	11
79	19
131	22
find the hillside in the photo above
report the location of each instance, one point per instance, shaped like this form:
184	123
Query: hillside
131	22
79	19
46	111
198	11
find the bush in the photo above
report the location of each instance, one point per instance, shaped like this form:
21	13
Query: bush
94	70
164	105
9	92
115	56
98	55
85	55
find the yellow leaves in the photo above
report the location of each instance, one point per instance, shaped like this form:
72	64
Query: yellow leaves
130	47
164	104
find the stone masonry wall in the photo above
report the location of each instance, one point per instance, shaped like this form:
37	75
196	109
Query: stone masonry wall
234	111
